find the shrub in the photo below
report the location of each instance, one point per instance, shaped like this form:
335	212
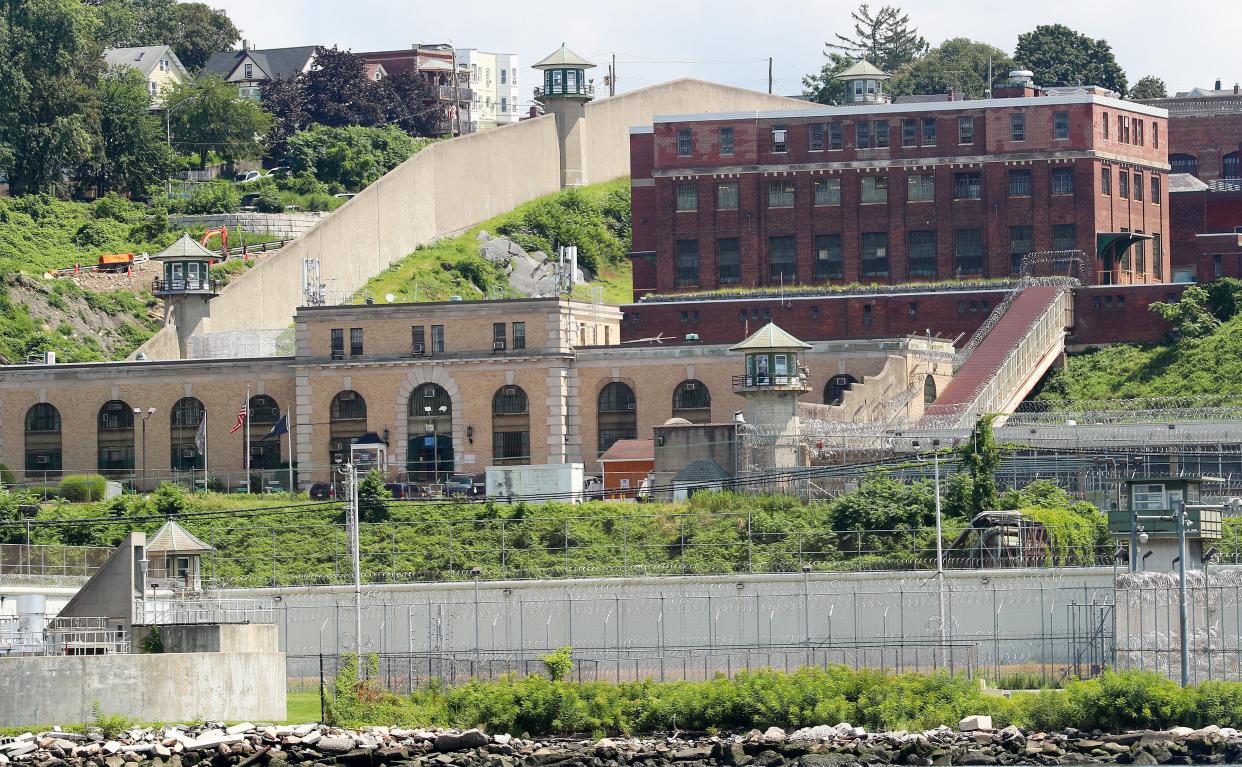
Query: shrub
92	234
268	202
559	664
6	476
111	725
168	499
80	488
214	198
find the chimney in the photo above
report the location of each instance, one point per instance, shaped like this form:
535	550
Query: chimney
1235	89
245	44
1218	83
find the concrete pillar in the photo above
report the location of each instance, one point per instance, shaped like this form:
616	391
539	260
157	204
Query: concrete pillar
571	138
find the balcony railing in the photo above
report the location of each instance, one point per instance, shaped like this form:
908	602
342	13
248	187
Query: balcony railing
445	93
770	380
583	89
185	285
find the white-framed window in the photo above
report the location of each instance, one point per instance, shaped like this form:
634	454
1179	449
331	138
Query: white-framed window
625	484
504	102
153	87
249	72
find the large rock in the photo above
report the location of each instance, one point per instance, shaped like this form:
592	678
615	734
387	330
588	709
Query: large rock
975	722
467	739
774	735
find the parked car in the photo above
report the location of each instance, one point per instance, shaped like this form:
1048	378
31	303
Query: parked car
325	491
248	175
465	484
403	490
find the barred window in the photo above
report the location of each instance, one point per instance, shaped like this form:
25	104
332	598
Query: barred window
687	198
1155	190
1064	237
834	136
726	141
862	134
921	253
726	196
920	187
1021	242
968	247
728	260
1138	187
929	131
880	133
685	142
1062	180
1060	125
815	136
827	191
1017	126
782	260
1020	183
875	254
874	189
781	193
1106	181
687	258
967	185
966	130
909	132
829	261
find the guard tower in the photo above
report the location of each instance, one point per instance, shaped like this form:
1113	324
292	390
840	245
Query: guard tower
174	558
565	93
864	83
186	287
1153	541
771	386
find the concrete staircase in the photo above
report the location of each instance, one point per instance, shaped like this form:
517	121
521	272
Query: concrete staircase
1008	359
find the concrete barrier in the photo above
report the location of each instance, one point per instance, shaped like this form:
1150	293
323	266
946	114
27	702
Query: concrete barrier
178	687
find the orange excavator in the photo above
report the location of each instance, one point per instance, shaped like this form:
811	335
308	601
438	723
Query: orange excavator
224	240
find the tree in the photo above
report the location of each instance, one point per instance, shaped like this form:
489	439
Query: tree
823	87
1057	55
410	103
1149	87
1190	316
49	65
885	38
208	116
131	154
981	458
960	64
284	101
337	91
199	31
373	498
352	157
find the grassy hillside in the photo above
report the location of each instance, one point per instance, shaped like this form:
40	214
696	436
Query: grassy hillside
595	217
1209	364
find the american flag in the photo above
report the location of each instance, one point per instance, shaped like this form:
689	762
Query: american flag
241	420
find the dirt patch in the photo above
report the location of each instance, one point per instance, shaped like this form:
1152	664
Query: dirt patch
136	281
53	311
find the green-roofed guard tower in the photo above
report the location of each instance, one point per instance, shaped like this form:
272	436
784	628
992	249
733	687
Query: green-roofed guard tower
864	83
565	93
772	384
186	286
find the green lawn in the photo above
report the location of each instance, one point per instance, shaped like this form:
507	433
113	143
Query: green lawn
303	707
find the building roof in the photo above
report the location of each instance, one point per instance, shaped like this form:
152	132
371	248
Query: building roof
860	69
770	337
144	58
921	98
563	57
184	248
1185	182
702	470
172	538
273	63
630	450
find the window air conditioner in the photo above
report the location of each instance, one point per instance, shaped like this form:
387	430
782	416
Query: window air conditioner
418	349
345	396
498	346
41	458
843	381
691	386
510	391
629	405
778	136
188	452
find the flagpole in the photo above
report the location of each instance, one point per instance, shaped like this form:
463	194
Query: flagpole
246	408
289	435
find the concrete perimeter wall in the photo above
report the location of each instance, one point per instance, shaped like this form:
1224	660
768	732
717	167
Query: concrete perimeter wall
224	687
446	188
608	121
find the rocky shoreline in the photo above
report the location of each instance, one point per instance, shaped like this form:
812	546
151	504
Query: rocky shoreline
842	745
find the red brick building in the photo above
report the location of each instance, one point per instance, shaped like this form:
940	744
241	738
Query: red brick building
900	193
1206	220
1205	132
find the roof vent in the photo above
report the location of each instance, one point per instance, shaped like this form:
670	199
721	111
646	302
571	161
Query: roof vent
1218	83
1022	77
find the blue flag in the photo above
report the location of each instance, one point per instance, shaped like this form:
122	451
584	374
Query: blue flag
281	427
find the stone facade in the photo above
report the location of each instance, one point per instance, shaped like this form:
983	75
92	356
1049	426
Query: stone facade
570	352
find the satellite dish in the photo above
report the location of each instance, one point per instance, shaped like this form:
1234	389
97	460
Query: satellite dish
389	297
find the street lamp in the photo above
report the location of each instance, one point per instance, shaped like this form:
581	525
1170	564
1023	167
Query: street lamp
143	416
935	444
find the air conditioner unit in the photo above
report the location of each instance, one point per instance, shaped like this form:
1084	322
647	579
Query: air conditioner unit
189	452
629	405
498	346
345	396
429	392
691	386
417	349
510	391
843	381
778	136
42	458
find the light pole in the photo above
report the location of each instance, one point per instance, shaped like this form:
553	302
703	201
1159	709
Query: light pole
143	416
939	542
350	472
1180	517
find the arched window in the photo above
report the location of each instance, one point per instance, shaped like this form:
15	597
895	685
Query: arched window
617	414
837	386
692	401
347	421
929	391
184	419
1229	166
264	413
115	441
510	426
1184	163
43	455
429	424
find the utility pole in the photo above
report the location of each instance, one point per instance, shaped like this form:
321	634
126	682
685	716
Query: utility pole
769	74
612	76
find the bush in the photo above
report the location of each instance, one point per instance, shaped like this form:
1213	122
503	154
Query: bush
80	488
168	499
6	476
268	202
559	664
92	234
214	198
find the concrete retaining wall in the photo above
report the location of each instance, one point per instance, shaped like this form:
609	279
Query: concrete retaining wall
151	688
286	226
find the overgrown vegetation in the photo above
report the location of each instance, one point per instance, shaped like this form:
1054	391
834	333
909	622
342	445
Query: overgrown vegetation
596	218
878	700
885	524
1203	358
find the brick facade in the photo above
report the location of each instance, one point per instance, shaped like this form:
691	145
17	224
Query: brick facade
982	186
1205	242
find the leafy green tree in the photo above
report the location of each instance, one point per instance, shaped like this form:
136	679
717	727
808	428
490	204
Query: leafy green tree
980	459
209	116
337	92
1190	316
1224	297
49	65
1057	55
960	64
406	96
286	103
352	156
822	87
194	30
131	154
373	498
884	37
198	31
1149	87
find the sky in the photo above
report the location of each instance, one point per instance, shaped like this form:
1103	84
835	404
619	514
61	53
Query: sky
729	42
